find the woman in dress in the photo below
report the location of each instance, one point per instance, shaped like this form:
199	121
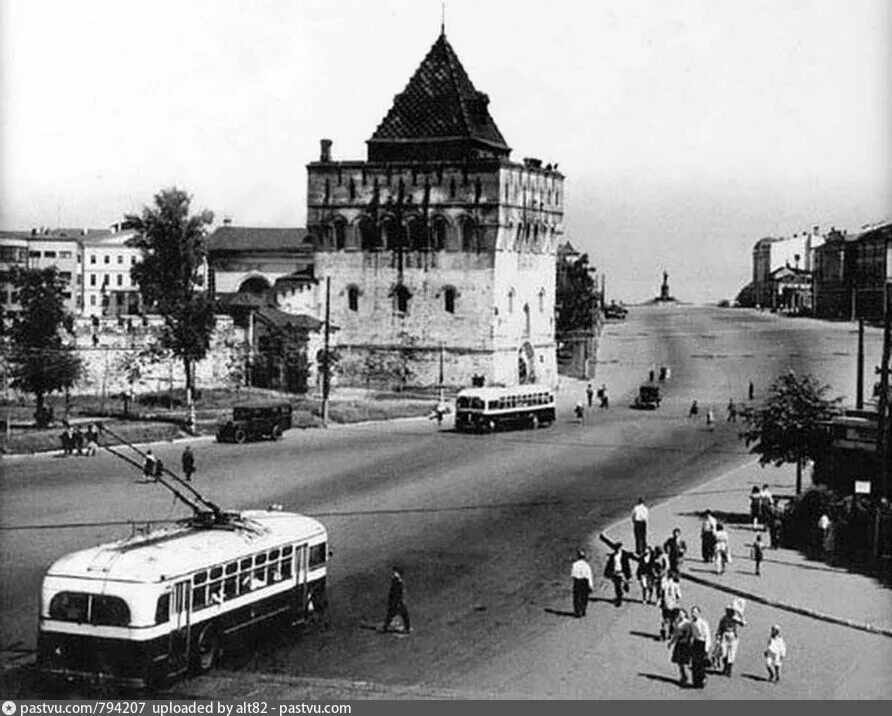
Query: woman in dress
680	644
722	549
775	653
727	638
659	566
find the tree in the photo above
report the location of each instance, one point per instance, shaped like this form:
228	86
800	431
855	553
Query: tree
40	359
577	298
169	276
786	428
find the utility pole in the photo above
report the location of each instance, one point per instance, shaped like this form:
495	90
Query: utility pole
859	378
326	365
441	373
883	408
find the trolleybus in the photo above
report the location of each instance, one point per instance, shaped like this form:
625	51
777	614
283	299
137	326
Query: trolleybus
488	409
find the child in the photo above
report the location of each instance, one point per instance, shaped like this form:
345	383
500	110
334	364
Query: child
758	554
775	653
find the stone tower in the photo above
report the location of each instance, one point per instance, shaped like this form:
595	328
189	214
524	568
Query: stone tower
440	249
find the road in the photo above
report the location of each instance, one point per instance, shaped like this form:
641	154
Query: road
483	526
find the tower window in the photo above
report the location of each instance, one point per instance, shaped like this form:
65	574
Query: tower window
368	235
402	296
340	234
468	235
542	301
353	298
439	233
418	235
511	300
449	299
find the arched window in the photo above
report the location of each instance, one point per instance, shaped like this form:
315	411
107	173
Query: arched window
541	300
392	234
401	297
510	300
353	297
369	238
526	319
418	234
449	294
340	234
468	235
438	233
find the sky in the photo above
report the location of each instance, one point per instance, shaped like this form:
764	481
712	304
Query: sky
687	129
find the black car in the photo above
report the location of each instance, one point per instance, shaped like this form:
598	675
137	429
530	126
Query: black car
252	421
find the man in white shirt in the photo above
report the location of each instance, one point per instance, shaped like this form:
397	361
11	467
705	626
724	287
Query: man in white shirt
701	639
639	525
583	583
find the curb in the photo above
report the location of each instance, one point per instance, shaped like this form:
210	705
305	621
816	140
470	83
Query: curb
803	611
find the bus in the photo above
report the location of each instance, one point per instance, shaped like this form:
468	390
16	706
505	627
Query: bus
488	409
152	607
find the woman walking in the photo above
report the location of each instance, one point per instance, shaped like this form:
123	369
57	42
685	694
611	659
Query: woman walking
680	644
670	606
659	566
645	575
775	653
722	549
727	637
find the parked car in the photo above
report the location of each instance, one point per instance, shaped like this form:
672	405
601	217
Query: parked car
252	421
614	310
648	397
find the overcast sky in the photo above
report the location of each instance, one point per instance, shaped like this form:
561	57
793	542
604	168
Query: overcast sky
687	129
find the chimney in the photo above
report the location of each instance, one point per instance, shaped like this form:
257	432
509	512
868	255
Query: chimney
325	150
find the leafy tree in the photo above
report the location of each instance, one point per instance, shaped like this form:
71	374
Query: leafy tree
41	361
577	298
169	276
786	428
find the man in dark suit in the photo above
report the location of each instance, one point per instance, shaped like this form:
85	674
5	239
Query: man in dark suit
618	570
395	604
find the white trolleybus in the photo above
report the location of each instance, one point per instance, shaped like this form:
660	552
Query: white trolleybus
488	409
149	608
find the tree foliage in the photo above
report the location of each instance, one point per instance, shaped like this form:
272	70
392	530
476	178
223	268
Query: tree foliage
577	298
785	429
41	361
169	276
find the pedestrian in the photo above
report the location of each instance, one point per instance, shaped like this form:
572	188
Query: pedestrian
707	536
727	637
732	411
675	548
583	583
645	576
752	391
148	467
651	376
701	642
188	463
79	440
602	396
710	418
766	502
396	604
775	522
580	413
680	643
619	571
722	549
758	554
755	506
694	411
590	394
659	566
639	525
67	438
670	603
775	653
92	438
159	468
823	532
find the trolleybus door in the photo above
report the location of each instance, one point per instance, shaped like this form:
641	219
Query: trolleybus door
181	608
300	569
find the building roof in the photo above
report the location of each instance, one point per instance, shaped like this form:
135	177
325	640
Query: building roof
299	278
439	103
254	238
280	319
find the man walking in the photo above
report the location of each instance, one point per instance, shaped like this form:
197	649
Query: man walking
396	605
639	525
619	571
700	645
583	583
188	463
602	395
707	536
149	466
590	394
675	548
732	411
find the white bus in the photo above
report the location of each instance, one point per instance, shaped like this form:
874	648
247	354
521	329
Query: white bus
487	409
149	608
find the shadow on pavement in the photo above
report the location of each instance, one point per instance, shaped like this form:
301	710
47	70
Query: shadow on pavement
755	677
728	518
558	612
663	679
646	635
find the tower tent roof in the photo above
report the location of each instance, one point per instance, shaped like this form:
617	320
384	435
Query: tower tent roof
439	107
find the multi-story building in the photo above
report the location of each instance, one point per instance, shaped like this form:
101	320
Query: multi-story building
772	253
109	289
60	248
13	255
438	247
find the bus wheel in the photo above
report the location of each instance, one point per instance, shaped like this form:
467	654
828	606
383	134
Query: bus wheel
240	436
534	422
207	651
276	433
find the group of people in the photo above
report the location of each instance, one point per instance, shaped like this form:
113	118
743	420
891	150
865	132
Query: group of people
79	442
153	466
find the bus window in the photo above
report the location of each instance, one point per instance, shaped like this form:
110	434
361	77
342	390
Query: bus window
162	609
109	611
317	555
274	555
287	550
215	593
216	572
230	588
245	564
286	566
232	568
69	607
493	404
199	598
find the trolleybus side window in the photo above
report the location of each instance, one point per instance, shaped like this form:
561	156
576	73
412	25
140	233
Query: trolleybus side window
287	561
317	555
199	590
162	609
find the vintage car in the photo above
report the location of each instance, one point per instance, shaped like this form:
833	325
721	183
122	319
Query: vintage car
616	311
252	421
648	397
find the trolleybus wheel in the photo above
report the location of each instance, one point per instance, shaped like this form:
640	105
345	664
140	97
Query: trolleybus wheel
276	433
207	652
239	436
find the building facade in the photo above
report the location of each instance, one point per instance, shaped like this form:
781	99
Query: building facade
440	249
109	289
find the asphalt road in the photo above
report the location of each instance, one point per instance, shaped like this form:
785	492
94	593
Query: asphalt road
484	526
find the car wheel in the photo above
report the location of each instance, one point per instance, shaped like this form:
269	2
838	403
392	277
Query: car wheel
276	433
240	436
